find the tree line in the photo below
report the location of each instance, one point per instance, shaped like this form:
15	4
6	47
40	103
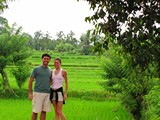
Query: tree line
63	43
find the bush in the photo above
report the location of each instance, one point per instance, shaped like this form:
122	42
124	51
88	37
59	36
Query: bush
153	101
21	74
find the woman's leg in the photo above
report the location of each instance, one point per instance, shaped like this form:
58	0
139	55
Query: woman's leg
59	110
57	117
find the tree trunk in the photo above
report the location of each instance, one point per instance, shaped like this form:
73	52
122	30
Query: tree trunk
6	84
137	113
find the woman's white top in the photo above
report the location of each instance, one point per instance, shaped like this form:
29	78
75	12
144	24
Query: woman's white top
57	79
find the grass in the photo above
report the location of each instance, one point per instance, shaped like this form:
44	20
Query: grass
74	109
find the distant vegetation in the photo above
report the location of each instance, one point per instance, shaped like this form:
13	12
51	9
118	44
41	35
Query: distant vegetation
63	43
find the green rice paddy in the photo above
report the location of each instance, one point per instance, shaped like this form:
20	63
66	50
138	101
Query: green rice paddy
87	99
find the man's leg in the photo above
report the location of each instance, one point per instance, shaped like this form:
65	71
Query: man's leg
43	115
34	116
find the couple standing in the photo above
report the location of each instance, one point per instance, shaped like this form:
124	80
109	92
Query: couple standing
42	95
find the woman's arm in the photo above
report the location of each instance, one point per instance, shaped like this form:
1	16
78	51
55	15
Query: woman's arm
66	83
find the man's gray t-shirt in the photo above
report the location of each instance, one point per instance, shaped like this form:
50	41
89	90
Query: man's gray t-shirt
42	76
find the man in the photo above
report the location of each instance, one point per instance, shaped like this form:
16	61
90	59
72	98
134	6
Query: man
40	96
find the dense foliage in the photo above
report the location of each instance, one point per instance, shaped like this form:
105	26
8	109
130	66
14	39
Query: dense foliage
134	26
135	87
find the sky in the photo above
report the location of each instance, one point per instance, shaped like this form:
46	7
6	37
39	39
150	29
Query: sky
50	16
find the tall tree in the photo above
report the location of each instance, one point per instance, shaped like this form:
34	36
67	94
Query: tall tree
38	36
71	39
135	26
60	37
13	50
85	42
47	42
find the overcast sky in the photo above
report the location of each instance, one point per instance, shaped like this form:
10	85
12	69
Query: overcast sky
49	15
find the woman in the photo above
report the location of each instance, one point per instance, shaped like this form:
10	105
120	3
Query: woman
58	96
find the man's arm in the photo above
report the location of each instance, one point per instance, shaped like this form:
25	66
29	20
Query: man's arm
30	92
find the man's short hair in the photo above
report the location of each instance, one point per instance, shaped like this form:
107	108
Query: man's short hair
46	54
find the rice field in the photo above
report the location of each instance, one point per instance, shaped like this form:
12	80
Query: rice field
83	103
